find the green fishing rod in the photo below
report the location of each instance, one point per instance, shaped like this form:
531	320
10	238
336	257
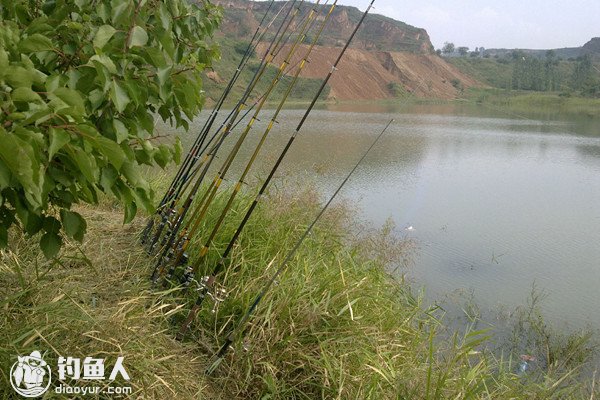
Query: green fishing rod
202	207
198	147
193	155
169	213
176	218
207	283
257	150
180	214
193	173
269	55
193	270
240	327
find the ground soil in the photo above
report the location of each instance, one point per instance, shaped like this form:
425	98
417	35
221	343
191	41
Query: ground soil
369	75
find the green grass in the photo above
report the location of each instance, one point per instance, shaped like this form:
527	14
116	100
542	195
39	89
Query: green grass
336	326
540	103
487	71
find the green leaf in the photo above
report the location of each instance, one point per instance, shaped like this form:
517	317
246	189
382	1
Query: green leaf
18	77
132	172
106	61
35	43
144	198
3	62
130	211
121	131
110	150
138	37
71	97
119	96
50	244
21	160
52	225
96	98
4	175
120	12
86	164
34	224
163	74
166	40
58	138
163	156
73	224
24	94
104	34
108	177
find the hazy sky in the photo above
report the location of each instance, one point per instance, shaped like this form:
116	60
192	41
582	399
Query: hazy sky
534	24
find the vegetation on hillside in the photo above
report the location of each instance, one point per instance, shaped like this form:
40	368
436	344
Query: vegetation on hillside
520	71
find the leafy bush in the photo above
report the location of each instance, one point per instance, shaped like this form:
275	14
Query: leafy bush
81	83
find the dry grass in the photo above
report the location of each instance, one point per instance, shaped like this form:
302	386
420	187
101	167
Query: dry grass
96	302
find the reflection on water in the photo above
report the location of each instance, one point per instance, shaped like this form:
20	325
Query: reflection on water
497	203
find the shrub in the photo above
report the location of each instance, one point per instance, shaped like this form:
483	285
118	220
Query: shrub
81	84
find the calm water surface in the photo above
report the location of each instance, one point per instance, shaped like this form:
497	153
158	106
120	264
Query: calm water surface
498	203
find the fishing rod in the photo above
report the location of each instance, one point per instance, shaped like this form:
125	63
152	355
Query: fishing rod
185	185
170	214
173	236
262	140
272	122
191	155
208	282
240	326
209	157
210	193
199	148
184	182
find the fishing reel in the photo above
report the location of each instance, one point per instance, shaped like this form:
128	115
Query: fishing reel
187	277
184	259
216	292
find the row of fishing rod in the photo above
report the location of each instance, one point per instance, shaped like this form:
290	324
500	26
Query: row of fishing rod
183	210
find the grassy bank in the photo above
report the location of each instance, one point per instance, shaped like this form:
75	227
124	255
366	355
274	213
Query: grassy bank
337	326
540	103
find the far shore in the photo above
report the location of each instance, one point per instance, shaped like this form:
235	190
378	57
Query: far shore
531	104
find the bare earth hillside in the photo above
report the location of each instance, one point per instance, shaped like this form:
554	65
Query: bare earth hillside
367	75
385	56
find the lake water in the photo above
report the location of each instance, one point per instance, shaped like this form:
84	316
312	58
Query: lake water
498	202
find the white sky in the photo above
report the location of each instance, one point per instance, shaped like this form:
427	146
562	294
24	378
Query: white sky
532	24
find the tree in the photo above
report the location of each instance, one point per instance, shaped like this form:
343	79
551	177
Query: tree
583	75
463	51
448	48
82	82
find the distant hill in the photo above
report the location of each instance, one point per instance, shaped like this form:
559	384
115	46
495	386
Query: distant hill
388	58
592	48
